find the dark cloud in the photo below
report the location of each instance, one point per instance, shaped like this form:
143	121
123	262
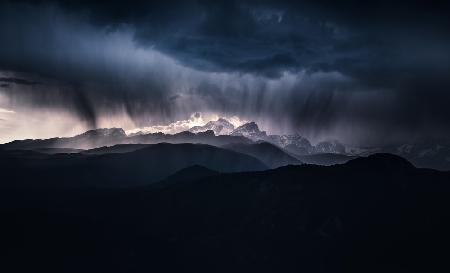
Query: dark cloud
225	35
9	80
320	67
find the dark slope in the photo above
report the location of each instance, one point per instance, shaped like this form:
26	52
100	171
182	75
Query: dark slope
380	161
116	149
188	174
269	154
143	166
58	150
326	159
375	214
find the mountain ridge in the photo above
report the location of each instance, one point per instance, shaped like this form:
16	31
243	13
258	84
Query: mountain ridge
363	216
219	127
142	166
427	155
269	154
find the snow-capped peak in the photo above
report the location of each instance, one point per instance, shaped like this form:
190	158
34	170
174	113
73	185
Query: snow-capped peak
250	130
219	127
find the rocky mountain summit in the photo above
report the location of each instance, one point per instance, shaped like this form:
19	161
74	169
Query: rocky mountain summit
219	127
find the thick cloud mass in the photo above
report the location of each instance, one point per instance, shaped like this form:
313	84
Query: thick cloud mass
349	70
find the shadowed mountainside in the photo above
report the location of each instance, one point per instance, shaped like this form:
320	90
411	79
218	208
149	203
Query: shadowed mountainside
269	154
375	214
186	175
326	159
116	149
136	167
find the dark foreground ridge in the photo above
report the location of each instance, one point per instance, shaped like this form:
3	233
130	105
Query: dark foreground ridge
269	154
374	214
118	166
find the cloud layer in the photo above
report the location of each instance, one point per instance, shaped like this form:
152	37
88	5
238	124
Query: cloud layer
325	70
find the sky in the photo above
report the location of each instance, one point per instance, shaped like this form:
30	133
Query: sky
361	72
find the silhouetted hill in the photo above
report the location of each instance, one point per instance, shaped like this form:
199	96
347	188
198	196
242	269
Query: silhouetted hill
380	161
373	214
326	159
268	153
116	149
188	174
136	167
58	150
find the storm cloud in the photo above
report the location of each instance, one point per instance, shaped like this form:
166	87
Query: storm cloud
345	70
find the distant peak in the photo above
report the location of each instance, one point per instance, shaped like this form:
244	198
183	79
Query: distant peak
249	126
250	130
219	127
107	132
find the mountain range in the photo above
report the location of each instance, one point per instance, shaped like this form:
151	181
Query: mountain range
271	155
372	214
222	133
119	166
113	136
104	201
